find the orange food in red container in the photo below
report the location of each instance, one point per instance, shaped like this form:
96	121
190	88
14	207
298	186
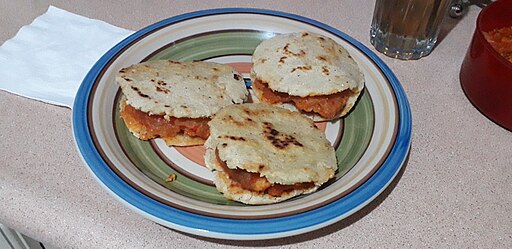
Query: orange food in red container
485	74
501	41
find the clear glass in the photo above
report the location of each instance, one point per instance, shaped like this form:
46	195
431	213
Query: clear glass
407	29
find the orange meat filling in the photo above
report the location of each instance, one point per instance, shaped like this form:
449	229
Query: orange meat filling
153	126
327	106
254	182
501	41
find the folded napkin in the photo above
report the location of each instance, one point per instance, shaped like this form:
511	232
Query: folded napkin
48	59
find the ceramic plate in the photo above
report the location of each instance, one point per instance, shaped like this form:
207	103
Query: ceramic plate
371	143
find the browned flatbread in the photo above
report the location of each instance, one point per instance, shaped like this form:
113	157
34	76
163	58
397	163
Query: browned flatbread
306	65
183	140
283	152
179	90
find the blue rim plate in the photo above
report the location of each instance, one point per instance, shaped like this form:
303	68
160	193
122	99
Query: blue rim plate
99	147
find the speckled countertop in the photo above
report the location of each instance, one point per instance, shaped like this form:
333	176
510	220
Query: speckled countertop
454	192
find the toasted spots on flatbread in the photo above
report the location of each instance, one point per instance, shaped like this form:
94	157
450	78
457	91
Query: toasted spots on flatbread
303	65
174	100
278	139
265	154
181	89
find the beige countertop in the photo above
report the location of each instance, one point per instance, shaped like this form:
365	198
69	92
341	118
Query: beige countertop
454	192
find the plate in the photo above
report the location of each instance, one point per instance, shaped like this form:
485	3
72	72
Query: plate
371	143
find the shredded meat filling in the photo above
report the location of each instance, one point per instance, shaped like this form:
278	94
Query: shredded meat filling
501	41
255	182
153	126
327	106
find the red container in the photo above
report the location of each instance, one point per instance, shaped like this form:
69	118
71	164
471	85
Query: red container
486	76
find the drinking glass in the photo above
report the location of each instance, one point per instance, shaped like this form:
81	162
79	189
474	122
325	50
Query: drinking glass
407	29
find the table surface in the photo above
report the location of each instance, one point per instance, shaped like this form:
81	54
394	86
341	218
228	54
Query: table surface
455	190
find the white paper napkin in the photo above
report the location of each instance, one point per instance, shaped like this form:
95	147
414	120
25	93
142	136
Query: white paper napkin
48	59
